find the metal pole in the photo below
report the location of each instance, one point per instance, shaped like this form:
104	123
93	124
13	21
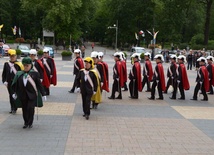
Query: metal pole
116	35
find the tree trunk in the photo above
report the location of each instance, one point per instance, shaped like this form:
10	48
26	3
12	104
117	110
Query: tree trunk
207	22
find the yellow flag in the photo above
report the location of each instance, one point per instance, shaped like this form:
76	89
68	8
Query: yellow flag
1	26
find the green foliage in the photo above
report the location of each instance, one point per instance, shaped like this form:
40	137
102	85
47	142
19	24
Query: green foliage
66	53
40	52
197	39
18	52
142	55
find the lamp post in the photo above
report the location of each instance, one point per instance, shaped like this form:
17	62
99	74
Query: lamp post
115	26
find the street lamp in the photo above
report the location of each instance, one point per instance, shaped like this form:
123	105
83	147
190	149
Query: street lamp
115	26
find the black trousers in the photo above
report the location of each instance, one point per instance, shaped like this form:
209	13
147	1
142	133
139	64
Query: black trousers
116	87
169	82
74	84
211	87
133	88
189	65
174	85
47	91
146	81
28	109
158	85
181	89
86	102
196	90
12	101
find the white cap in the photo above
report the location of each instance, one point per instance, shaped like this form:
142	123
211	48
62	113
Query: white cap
33	51
122	56
173	56
210	58
147	54
182	57
77	51
100	54
117	54
136	55
202	59
46	50
94	54
159	56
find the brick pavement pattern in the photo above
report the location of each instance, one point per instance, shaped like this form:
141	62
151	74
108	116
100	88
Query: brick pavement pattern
117	127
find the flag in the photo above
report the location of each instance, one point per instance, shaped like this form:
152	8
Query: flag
155	34
14	30
136	36
149	32
1	26
20	32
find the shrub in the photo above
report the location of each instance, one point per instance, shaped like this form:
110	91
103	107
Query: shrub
142	56
18	52
66	53
19	40
197	39
40	52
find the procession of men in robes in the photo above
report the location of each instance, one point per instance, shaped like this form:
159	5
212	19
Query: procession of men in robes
92	77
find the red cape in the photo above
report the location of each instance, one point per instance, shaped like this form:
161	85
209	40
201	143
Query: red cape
124	70
212	74
148	62
206	78
105	78
120	73
185	80
161	76
54	77
45	81
139	77
81	63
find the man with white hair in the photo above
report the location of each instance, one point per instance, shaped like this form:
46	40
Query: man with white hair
210	68
158	78
135	77
147	72
182	79
202	80
78	65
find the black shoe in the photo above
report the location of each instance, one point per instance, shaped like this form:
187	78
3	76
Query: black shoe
71	91
95	105
172	98
204	99
13	111
159	98
111	97
195	99
148	90
25	126
210	93
83	115
151	98
125	89
181	98
118	98
30	126
86	117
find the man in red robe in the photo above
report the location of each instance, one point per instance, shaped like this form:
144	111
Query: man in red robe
50	69
158	78
78	65
182	79
147	72
135	77
117	77
202	80
210	68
